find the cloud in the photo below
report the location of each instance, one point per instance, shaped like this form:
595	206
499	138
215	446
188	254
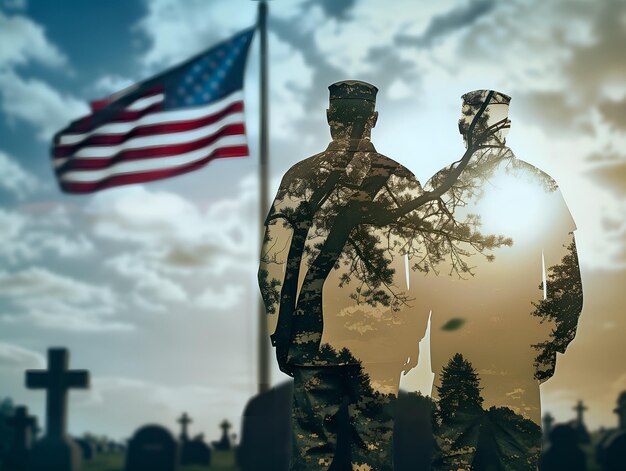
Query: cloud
50	300
600	62
178	30
14	356
303	40
22	40
170	249
28	237
614	112
611	176
38	104
14	4
339	11
146	277
14	179
226	297
448	23
555	112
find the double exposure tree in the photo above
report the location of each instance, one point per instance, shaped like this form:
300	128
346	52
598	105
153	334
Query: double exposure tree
561	308
459	389
374	194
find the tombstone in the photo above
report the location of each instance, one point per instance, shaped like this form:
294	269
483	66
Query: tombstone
265	442
56	450
564	452
579	426
548	422
184	422
152	448
614	458
17	457
196	452
224	443
611	440
413	443
86	448
620	410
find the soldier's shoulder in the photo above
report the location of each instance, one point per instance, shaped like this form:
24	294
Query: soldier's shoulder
534	175
394	167
302	168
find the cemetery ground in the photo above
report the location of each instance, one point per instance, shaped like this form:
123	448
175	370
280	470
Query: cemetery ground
222	461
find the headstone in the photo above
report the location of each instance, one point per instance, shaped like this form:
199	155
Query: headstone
86	448
17	458
56	450
620	410
224	443
564	452
152	448
184	422
608	447
196	452
582	433
615	452
265	443
548	422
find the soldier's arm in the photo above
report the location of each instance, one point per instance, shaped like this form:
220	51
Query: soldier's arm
271	275
562	300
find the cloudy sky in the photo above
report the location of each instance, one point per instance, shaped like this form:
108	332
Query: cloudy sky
152	287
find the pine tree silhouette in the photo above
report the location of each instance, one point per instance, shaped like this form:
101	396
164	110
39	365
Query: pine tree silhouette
459	390
562	308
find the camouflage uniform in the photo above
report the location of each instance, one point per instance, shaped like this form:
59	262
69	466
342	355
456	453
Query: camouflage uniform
333	280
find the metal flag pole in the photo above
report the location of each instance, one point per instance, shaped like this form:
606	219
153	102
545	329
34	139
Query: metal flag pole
263	342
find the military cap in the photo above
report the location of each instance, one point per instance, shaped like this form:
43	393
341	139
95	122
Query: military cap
353	89
477	97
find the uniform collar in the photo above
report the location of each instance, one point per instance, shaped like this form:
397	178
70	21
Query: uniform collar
351	145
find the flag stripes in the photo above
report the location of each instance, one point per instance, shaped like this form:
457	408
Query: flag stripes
167	125
157	144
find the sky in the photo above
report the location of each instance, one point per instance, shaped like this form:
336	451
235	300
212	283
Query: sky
153	287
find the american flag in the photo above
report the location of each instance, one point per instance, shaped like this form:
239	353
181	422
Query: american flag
167	125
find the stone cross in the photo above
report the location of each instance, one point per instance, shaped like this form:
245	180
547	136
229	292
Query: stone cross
225	426
580	409
224	443
184	422
620	410
548	421
57	381
22	425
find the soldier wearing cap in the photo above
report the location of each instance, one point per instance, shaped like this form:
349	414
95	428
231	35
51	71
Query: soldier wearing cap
336	289
505	297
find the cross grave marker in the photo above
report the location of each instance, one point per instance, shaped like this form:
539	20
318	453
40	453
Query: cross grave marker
56	450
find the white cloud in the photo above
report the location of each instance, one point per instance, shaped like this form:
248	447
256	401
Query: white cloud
178	30
37	103
225	297
50	300
108	84
22	40
14	178
147	278
30	236
14	356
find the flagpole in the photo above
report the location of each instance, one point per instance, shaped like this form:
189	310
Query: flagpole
263	341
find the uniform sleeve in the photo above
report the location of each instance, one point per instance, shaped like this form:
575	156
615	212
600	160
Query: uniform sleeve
288	198
563	294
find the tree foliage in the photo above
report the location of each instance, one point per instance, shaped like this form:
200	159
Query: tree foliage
562	308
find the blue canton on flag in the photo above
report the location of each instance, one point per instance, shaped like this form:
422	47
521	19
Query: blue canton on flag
167	125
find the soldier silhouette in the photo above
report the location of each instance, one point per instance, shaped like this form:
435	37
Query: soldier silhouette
333	276
505	297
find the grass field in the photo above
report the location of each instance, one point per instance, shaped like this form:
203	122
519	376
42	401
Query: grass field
222	461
